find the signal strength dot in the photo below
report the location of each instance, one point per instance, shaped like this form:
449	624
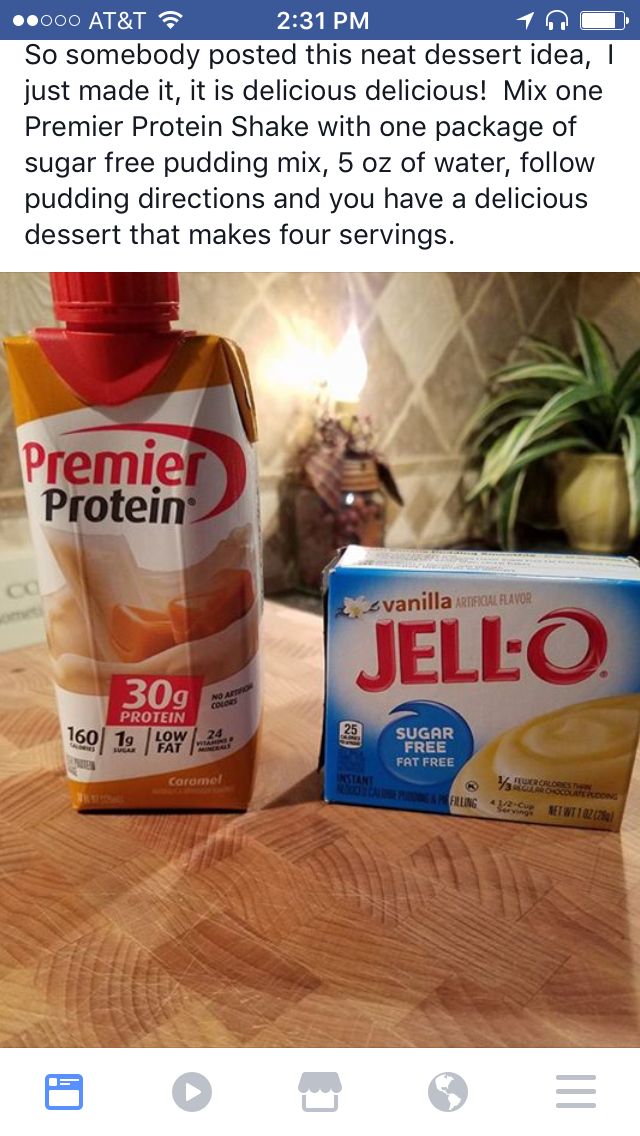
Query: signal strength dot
170	19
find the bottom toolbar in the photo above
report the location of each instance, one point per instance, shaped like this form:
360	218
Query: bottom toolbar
277	1089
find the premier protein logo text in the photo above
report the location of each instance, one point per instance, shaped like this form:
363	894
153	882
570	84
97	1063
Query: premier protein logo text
152	470
424	652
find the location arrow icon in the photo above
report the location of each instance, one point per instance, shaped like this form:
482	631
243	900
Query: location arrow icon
526	20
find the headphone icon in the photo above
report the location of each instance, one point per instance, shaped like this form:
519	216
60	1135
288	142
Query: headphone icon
564	21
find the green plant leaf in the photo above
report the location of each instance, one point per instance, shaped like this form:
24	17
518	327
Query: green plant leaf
552	446
553	373
528	457
550	417
549	402
484	482
512	413
547	350
531	396
627	383
577	420
507	511
631	452
499	457
597	355
557	406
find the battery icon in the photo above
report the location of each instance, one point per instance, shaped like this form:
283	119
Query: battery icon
603	21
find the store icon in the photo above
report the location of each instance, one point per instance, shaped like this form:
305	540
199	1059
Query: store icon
319	1092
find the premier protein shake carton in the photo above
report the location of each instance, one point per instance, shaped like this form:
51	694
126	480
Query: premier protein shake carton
137	451
482	684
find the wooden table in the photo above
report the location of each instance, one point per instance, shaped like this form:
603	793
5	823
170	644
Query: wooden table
299	923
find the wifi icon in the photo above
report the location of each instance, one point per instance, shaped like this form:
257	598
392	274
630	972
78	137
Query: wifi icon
170	19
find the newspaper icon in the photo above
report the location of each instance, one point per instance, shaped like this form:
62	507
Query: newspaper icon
63	1091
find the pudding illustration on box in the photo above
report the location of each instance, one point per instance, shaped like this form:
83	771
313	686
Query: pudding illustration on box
502	685
137	451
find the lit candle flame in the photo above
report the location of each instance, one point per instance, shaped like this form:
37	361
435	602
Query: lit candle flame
303	364
306	366
347	372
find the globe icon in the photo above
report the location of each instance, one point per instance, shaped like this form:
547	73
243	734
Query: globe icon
448	1092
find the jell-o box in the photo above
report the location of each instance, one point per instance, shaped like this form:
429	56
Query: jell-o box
496	685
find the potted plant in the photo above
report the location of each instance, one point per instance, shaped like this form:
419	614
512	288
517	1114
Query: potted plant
584	414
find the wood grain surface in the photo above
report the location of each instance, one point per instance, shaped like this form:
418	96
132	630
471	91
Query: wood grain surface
299	923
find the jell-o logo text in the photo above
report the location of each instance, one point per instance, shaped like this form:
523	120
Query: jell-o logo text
426	652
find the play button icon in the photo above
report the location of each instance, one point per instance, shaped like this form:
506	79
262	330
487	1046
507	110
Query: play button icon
191	1092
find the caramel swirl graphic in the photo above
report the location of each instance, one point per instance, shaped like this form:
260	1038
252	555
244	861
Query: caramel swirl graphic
113	617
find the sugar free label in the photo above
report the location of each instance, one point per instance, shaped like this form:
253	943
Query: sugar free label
428	745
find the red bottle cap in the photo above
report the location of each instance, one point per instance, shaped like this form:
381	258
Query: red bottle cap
115	299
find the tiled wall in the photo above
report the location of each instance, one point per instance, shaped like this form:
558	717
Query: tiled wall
430	339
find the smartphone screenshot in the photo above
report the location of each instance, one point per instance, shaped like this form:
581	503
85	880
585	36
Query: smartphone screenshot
319	577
